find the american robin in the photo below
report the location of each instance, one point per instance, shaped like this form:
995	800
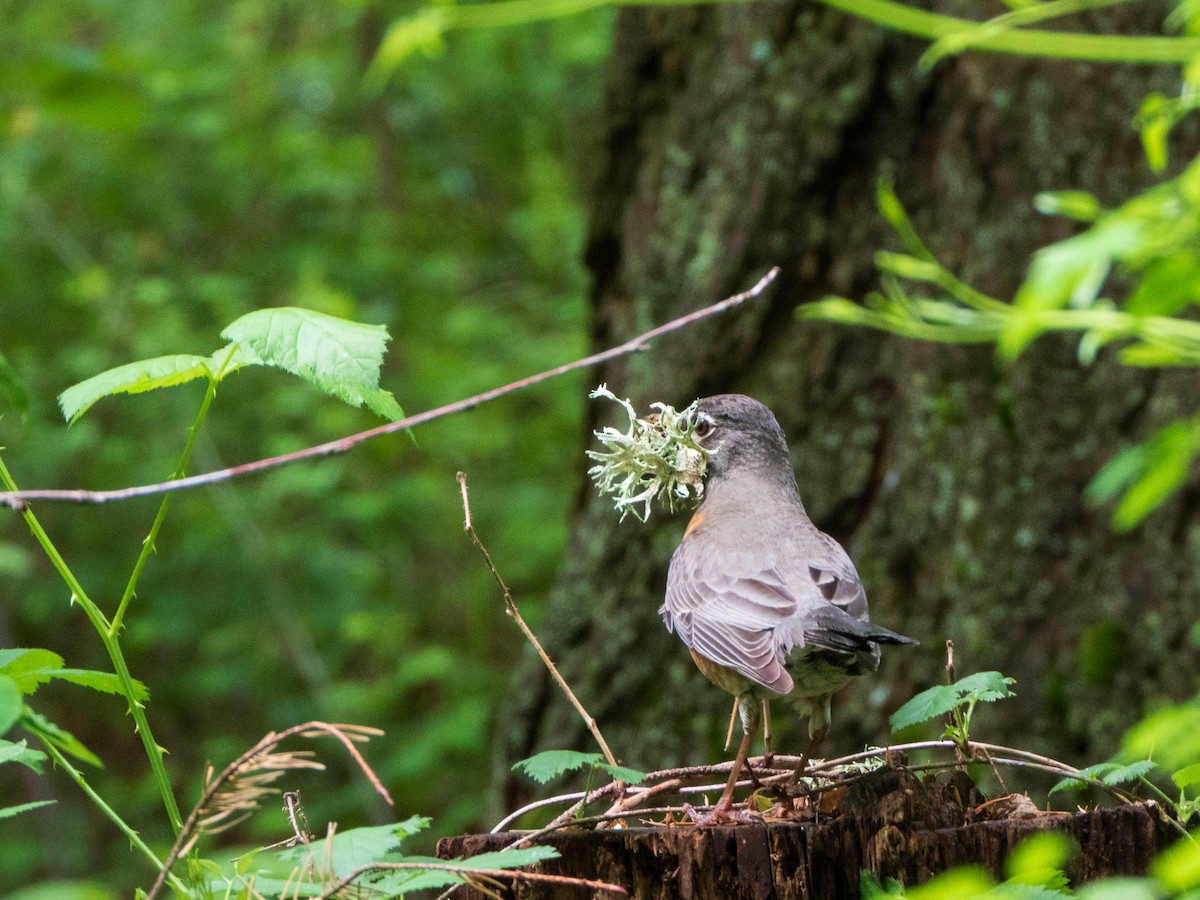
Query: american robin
769	605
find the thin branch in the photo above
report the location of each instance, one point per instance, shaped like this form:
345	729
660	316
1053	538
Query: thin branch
510	607
467	871
256	758
17	499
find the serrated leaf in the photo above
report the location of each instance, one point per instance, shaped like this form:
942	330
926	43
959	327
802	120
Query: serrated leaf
548	764
939	700
1077	782
38	724
407	881
132	378
20	752
1187	776
105	682
358	847
7	812
1131	772
1168	735
340	357
29	668
621	773
10	703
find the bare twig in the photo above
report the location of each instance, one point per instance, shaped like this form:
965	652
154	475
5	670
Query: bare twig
232	795
510	608
467	871
17	499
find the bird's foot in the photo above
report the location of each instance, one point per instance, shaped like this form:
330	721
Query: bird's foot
722	814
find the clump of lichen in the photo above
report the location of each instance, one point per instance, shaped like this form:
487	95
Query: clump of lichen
656	457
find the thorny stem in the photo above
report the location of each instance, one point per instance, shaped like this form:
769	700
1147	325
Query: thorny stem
15	499
134	838
148	544
112	644
510	608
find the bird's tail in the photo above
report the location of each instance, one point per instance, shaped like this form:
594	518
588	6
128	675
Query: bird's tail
846	633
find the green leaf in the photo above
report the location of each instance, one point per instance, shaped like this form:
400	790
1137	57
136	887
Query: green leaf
1168	285
1154	121
61	738
548	764
358	847
407	881
340	357
29	668
105	682
32	668
1178	867
10	703
1168	735
8	812
1039	859
1078	205
621	773
421	32
937	701
1127	773
1187	776
1077	782
870	888
1119	888
132	378
20	752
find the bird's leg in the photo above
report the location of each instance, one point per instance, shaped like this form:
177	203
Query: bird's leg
818	727
749	709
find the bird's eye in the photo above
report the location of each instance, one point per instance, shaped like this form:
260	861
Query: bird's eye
704	427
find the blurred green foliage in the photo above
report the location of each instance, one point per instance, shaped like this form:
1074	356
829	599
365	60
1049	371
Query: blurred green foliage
167	168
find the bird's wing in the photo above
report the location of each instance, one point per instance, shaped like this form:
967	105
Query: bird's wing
729	614
831	571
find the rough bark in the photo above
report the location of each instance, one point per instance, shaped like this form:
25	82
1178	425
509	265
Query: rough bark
741	136
891	824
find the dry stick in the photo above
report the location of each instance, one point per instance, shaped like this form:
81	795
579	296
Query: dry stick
17	499
785	765
466	871
345	733
510	608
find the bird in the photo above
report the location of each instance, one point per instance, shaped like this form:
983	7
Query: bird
768	604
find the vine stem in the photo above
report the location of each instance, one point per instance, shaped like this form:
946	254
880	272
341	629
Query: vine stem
134	838
15	499
148	544
112	644
1025	41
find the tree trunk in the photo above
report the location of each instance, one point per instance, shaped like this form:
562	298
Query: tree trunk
890	823
740	136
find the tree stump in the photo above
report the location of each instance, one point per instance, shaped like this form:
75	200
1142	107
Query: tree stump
890	823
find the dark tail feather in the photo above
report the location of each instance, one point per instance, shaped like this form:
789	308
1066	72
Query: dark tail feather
844	632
